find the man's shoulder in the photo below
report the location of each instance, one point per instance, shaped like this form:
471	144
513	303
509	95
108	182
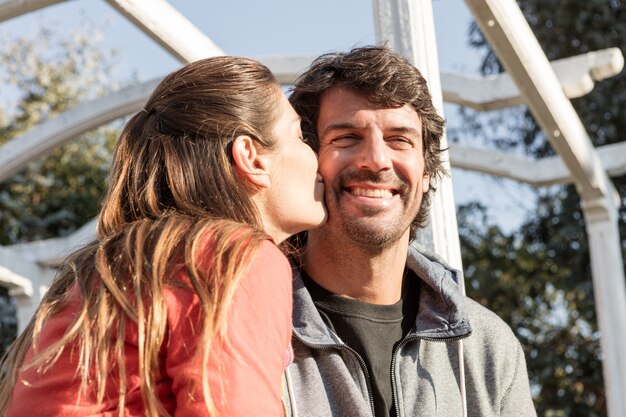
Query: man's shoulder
488	329
493	354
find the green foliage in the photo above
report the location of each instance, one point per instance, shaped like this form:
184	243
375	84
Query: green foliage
532	281
8	320
56	194
538	278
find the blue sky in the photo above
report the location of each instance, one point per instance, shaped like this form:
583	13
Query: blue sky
247	27
274	27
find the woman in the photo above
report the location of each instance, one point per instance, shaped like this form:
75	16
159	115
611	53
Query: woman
182	304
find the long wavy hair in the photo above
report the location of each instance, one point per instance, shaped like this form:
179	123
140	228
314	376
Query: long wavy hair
173	195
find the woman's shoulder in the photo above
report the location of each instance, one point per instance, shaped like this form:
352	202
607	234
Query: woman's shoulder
267	272
270	252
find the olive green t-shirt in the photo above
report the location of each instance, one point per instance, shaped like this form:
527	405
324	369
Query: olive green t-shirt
372	330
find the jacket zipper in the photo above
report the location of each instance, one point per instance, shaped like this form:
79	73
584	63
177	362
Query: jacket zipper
400	345
359	358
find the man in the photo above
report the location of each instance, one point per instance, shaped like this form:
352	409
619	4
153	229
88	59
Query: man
376	330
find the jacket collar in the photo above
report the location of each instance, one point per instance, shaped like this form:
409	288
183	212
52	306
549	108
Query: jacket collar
441	315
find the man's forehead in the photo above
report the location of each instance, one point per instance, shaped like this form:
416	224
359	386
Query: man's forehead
339	103
345	93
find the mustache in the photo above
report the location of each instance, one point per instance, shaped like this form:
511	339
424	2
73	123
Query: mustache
388	178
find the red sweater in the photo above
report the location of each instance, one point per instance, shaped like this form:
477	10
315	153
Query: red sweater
244	374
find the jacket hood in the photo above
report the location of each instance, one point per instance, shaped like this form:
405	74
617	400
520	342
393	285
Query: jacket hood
441	314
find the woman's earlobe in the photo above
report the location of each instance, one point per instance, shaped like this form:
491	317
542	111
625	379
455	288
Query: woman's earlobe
249	163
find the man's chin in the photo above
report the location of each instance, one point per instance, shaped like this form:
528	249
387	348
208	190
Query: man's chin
373	234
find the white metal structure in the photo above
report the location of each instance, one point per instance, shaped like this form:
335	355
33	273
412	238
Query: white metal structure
486	93
408	27
510	36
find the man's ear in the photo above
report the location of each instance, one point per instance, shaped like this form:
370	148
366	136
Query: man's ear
425	183
249	163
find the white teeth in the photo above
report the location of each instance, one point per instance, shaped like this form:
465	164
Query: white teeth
371	192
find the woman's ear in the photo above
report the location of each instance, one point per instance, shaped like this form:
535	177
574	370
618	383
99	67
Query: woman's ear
249	163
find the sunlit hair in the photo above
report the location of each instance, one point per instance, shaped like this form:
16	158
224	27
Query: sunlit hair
386	78
173	196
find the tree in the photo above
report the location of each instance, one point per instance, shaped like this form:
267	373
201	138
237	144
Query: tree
56	194
539	277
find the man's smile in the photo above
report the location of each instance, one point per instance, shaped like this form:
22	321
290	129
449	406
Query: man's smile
371	192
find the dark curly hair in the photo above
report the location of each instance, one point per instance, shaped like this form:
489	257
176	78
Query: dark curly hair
387	79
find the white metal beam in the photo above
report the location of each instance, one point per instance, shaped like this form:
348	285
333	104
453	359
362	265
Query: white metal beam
488	93
504	26
577	76
16	283
535	172
18	152
286	68
169	28
517	48
157	18
14	8
547	171
610	295
52	252
27	281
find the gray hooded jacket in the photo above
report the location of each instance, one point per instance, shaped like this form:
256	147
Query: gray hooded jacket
327	378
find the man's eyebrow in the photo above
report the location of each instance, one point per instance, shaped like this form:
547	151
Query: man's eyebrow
406	130
340	126
349	126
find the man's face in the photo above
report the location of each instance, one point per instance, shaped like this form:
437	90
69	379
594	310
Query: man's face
372	162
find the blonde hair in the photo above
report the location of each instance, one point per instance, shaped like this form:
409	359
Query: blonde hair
173	195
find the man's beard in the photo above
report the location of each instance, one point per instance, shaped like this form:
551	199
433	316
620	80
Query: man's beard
370	232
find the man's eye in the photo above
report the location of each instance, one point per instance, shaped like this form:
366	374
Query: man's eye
399	142
345	141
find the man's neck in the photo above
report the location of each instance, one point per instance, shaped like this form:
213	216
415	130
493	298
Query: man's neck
371	275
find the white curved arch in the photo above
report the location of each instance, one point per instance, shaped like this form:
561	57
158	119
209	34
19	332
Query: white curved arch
479	93
547	171
577	75
169	28
18	152
156	18
14	282
52	252
535	172
14	8
512	39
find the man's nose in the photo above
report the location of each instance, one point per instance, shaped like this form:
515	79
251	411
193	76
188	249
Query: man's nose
374	155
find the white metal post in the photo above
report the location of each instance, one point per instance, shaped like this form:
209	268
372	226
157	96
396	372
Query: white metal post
34	280
507	31
610	297
408	27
